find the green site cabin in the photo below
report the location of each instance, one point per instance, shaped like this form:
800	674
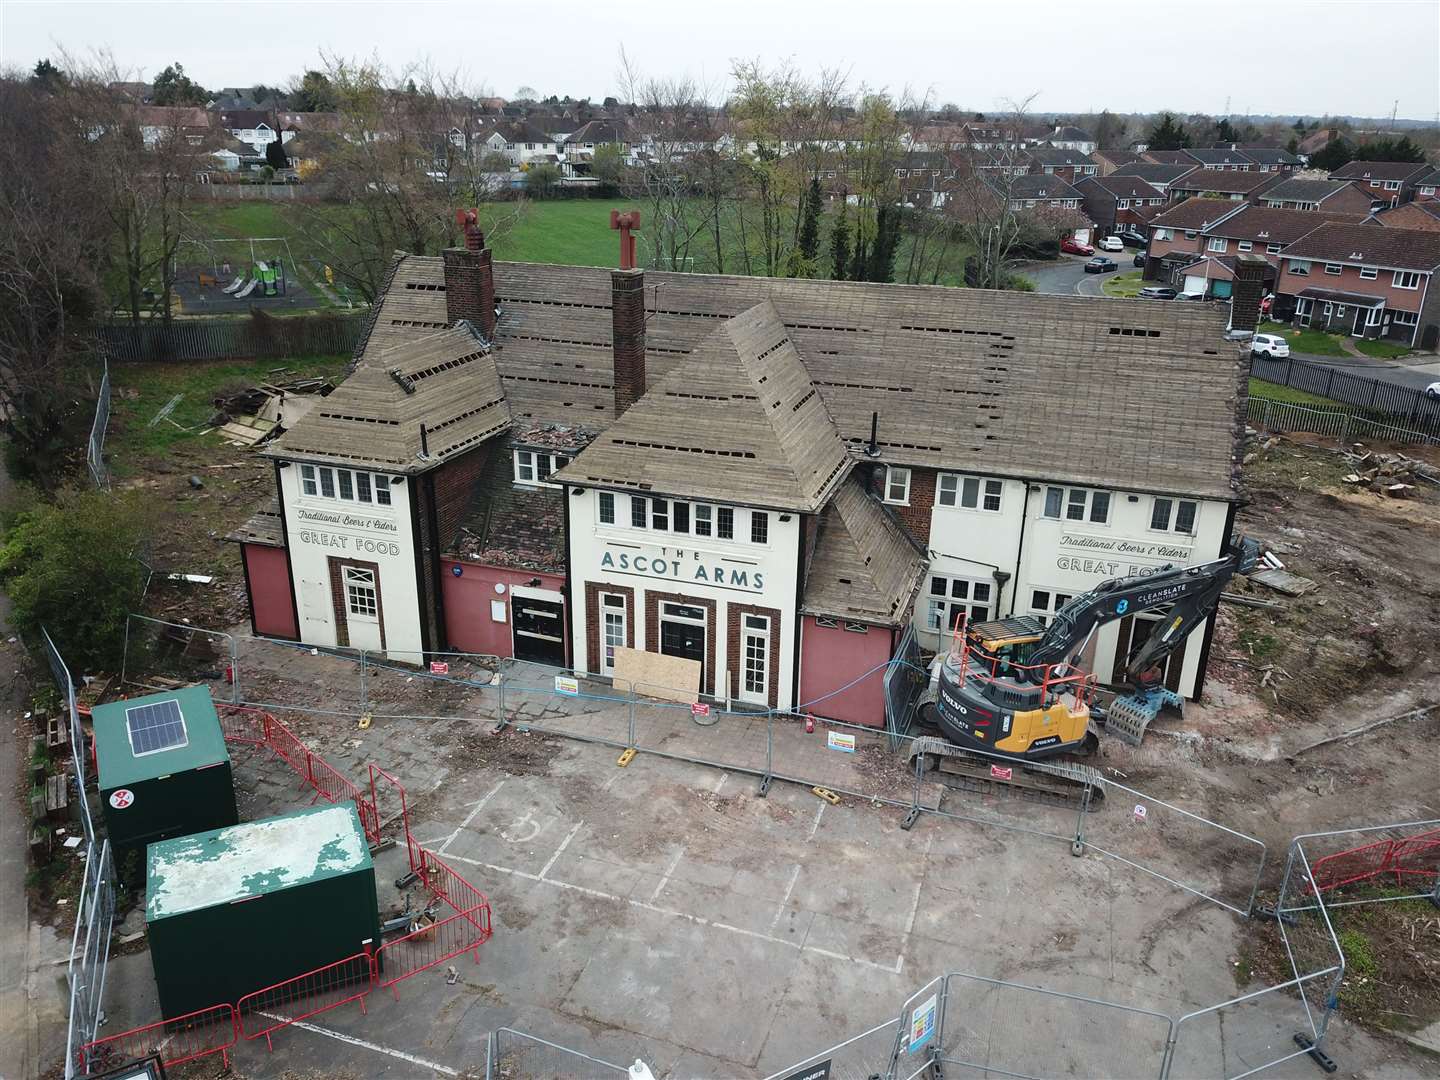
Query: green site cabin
236	910
150	794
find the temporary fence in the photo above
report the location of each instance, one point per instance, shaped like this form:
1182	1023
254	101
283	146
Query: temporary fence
195	1035
513	1055
429	945
264	1012
1403	863
95	450
1283	417
252	337
159	655
1402	406
904	682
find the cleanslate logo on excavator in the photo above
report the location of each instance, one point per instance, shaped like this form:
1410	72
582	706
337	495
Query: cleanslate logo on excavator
1159	596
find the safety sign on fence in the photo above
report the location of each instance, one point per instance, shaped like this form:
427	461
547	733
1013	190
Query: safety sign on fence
922	1022
838	740
567	684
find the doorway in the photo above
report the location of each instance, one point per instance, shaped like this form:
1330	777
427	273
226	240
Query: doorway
755	659
539	630
682	633
613	630
1135	630
362	606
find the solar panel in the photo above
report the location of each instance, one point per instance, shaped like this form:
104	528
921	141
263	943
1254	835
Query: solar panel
155	727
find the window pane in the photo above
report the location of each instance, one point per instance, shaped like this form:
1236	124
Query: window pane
993	488
1075	505
525	466
1040	600
937	586
935	615
1052	502
543	463
725	523
382	489
680	513
1061	600
660	513
607	508
970	497
1100	506
948	483
362	486
960	588
327	483
347	490
981	591
702	520
307	479
637	511
1160	514
759	527
1185	517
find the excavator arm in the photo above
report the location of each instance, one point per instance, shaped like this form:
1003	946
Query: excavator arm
1191	592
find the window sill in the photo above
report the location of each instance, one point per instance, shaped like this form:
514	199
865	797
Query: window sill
893	502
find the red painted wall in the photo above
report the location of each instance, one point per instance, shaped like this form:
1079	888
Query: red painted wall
468	626
830	658
270	597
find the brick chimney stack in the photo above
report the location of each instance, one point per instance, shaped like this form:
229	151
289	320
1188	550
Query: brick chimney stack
470	278
627	314
1248	291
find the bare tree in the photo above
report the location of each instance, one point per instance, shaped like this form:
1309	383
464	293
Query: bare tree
983	198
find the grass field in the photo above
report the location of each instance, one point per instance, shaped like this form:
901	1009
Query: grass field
1259	388
1381	350
1314	342
1124	286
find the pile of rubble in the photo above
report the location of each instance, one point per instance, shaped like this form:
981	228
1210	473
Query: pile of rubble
1393	475
257	414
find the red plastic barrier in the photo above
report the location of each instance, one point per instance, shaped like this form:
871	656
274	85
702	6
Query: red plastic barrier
423	948
442	880
186	1038
242	724
380	781
266	1011
1414	856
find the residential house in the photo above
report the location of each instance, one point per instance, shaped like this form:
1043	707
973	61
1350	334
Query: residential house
520	142
1156	174
1111	160
1428	187
925	179
1177	234
1317	140
1342	196
1393	181
1065	137
1169	157
1272	158
1068	165
1364	280
1420	214
1223	183
253	126
579	149
1221	229
1116	203
1225	158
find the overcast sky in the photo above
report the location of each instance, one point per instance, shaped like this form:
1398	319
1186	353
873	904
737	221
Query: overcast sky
1352	57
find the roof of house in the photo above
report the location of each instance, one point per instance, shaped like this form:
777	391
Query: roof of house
865	565
184	116
1270	155
262	527
961	378
443	382
1118	157
601	131
1067	133
1380	170
1401	249
1272	225
517	131
1195	214
1299	190
245	119
1155	173
1215	157
1049	155
738	420
510	524
1430	179
1036	186
1169	157
1410	215
1240	183
1335	296
1122	187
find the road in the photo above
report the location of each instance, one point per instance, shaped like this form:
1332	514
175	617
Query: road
1412	376
1067	276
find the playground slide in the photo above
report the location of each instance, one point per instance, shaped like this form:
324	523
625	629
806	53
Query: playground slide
234	285
248	289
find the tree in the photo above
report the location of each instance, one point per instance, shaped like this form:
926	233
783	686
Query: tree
526	93
1109	131
313	93
72	567
984	202
1168	134
881	263
840	243
47	78
173	87
275	156
1334	155
809	242
541	180
608	164
1401	149
1225	131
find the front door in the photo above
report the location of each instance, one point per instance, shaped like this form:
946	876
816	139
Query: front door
1135	630
362	606
612	630
1361	314
539	630
682	633
755	659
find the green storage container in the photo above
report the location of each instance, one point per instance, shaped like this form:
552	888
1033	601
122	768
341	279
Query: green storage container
236	910
163	767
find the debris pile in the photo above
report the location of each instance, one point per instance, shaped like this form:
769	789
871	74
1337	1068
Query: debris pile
257	414
1393	475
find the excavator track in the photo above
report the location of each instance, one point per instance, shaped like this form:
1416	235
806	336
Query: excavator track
1055	783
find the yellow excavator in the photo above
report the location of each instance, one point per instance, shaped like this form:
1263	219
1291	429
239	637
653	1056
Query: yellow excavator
1009	691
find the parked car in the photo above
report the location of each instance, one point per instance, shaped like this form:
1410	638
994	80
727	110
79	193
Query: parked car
1071	246
1190	296
1157	292
1101	265
1112	243
1133	239
1433	390
1273	346
1140	259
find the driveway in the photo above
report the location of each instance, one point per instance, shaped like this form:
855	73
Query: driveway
1067	276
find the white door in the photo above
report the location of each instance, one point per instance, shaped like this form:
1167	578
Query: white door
362	608
755	660
612	630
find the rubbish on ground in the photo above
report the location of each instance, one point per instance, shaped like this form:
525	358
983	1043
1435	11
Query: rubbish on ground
165	410
1284	581
1249	601
259	413
1394	474
193	579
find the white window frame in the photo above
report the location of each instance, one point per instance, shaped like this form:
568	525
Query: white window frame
1369	273
1163	234
602	499
1217	243
1372	317
1298	267
1173	510
607	609
941	610
1392	185
749	632
309	485
1402	276
1243	245
1070	498
897	477
1191	234
1274	249
966	491
1405	318
760	519
527	467
1334	269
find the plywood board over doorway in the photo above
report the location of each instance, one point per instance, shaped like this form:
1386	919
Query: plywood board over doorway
670	678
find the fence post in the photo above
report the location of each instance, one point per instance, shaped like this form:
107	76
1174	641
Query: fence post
1289	367
769	755
235	695
1077	846
363	704
1329	378
631	725
492	1051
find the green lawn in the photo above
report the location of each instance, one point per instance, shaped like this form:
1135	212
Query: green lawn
1259	388
139	391
1381	350
1124	286
1315	342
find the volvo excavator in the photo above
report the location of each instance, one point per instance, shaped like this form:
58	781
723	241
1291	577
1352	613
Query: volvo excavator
1012	704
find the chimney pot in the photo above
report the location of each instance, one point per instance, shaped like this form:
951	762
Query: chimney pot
627	315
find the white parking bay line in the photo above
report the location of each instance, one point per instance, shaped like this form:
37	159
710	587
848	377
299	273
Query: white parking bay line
780	911
665	880
474	813
561	849
816	824
388	1051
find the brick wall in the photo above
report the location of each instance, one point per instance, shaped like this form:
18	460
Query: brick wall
592	620
627	315
652	628
455	485
470	288
735	651
916	516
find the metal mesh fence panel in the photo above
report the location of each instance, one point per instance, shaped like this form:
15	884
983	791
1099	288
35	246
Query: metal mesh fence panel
562	701
861	1057
281	674
731	740
95	451
401	683
1178	846
161	655
514	1055
1379	864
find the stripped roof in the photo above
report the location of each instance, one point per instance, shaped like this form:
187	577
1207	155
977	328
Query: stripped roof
1241	183
1310	191
1155	172
1195	214
1402	249
961	378
865	565
738	420
442	381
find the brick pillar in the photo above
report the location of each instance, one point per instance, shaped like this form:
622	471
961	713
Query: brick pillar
470	287
627	314
1249	288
